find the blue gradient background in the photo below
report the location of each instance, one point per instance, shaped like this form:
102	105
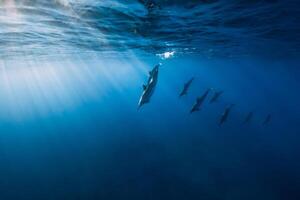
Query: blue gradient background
72	131
71	75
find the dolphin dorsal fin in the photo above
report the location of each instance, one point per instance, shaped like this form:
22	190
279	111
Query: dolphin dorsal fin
144	87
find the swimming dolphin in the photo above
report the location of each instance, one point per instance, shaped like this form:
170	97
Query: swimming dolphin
216	96
149	88
199	101
224	116
267	120
248	117
186	87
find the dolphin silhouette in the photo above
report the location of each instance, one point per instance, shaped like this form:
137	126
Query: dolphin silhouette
267	120
149	88
186	87
248	117
216	97
225	115
199	101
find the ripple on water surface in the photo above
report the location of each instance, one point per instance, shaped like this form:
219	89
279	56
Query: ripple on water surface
211	27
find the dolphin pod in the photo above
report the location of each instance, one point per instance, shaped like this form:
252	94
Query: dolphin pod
149	88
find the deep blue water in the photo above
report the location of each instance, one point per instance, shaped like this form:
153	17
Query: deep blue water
72	75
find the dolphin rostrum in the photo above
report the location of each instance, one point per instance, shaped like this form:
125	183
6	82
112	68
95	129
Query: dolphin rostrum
216	97
149	88
224	116
199	101
186	87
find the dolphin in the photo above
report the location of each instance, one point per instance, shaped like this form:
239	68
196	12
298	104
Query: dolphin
248	117
224	116
186	87
267	120
216	96
199	101
149	88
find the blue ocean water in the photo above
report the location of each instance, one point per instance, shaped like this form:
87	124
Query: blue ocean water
71	77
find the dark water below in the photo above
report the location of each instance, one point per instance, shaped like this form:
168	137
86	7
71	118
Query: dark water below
72	74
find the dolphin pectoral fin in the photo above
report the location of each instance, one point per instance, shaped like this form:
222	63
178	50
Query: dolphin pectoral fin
144	87
150	73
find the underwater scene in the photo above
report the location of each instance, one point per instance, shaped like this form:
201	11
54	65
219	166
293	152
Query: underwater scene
149	99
